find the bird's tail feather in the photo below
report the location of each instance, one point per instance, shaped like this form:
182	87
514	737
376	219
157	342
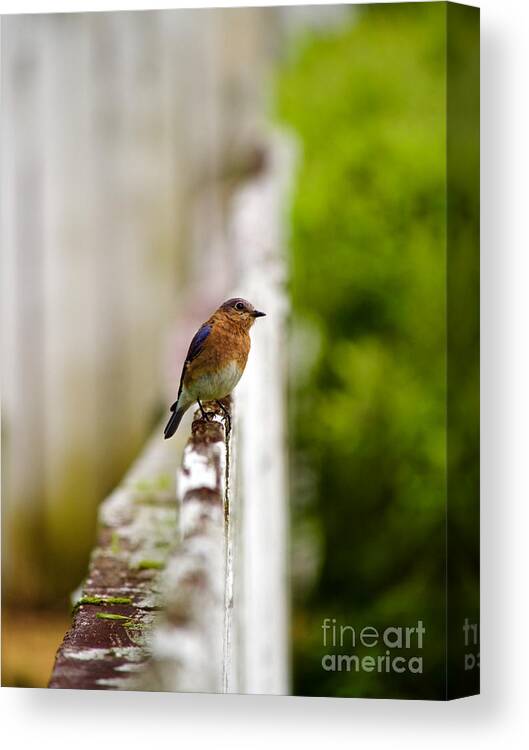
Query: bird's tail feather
174	420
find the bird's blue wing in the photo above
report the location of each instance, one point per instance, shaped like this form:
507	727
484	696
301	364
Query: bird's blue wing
198	341
196	346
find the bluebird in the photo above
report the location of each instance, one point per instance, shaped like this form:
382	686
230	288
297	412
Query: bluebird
216	359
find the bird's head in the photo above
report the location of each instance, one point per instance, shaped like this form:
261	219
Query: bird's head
240	311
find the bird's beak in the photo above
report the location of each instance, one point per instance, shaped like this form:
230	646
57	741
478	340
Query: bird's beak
258	314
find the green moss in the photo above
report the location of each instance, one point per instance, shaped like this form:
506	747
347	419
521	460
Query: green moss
149	565
134	625
163	482
143	485
110	616
104	600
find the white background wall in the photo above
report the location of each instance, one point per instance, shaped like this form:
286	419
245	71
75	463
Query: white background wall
499	717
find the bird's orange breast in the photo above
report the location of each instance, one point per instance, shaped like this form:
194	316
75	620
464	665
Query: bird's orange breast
226	346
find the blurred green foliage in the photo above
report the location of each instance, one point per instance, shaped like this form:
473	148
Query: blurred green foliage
368	278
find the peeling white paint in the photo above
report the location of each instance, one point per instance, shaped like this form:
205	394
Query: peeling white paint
129	667
198	471
132	653
195	513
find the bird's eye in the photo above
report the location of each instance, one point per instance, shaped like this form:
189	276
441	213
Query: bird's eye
239	306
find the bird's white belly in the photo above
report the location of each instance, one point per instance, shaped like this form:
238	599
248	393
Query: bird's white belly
212	386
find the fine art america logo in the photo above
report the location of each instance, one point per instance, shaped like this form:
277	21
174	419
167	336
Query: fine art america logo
396	642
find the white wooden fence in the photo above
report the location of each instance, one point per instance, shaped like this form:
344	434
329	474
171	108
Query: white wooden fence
210	602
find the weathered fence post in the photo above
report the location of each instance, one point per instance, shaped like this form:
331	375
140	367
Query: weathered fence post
187	648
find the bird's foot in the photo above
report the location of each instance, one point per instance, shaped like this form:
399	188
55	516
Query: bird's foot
206	415
226	417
